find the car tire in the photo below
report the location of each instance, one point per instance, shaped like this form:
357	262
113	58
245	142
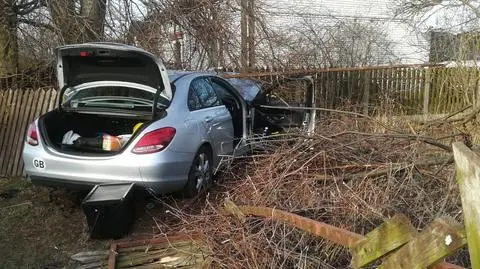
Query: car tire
200	174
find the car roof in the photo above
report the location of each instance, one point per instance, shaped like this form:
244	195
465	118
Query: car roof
247	88
177	74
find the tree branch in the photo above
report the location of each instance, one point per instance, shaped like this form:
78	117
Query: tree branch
24	7
36	24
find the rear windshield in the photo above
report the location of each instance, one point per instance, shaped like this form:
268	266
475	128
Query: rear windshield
112	97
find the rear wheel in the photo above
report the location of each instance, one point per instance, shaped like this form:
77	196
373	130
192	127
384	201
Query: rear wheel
200	174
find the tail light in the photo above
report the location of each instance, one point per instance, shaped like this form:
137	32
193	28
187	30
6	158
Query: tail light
32	134
154	141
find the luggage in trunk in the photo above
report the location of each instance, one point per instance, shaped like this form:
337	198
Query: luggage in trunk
91	131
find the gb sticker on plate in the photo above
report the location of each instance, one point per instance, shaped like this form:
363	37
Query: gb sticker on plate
39	163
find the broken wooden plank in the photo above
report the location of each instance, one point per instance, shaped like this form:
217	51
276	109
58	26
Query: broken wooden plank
442	238
336	235
468	179
157	240
182	255
387	237
81	256
112	255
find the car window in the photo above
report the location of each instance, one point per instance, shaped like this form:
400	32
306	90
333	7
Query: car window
221	91
193	101
202	95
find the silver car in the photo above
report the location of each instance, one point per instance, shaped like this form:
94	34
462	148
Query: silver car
121	117
184	123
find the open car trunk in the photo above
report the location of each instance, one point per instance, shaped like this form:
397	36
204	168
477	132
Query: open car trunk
89	132
106	90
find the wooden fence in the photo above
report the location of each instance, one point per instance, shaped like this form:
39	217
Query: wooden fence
396	243
406	89
17	109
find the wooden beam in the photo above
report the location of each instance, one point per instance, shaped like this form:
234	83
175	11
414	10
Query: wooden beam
157	240
304	72
366	91
387	237
336	235
112	255
426	93
442	238
468	178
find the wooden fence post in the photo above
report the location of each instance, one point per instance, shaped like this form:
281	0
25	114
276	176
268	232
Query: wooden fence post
468	178
366	91
426	93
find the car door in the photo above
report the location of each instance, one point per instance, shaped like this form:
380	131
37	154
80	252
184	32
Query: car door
214	119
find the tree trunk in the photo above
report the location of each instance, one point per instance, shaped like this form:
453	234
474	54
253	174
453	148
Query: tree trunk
77	27
212	38
251	34
93	12
244	34
63	16
8	39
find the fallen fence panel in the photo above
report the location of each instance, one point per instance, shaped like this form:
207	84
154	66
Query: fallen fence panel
441	239
389	236
468	179
350	239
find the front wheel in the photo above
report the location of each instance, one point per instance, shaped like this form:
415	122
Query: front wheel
200	174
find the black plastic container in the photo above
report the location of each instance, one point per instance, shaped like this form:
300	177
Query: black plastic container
110	210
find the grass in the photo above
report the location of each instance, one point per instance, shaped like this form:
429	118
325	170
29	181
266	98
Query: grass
40	228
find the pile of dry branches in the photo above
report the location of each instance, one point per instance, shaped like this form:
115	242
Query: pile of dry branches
351	179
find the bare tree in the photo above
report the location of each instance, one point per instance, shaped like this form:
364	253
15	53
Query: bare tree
455	34
11	12
81	21
207	27
312	43
72	20
449	14
8	41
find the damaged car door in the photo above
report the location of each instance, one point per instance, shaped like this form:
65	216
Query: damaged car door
213	117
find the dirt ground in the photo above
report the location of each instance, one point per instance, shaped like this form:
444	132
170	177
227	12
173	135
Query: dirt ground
42	227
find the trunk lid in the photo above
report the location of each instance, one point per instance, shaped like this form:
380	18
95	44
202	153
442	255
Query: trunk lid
91	63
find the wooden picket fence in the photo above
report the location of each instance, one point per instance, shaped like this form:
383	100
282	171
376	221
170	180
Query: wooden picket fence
396	243
402	90
17	109
407	89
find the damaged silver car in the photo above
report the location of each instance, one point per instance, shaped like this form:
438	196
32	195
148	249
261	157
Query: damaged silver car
122	117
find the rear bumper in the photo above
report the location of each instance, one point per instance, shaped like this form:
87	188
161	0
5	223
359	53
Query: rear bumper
87	185
56	182
162	172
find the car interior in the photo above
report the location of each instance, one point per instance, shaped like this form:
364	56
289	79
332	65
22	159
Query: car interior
233	106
